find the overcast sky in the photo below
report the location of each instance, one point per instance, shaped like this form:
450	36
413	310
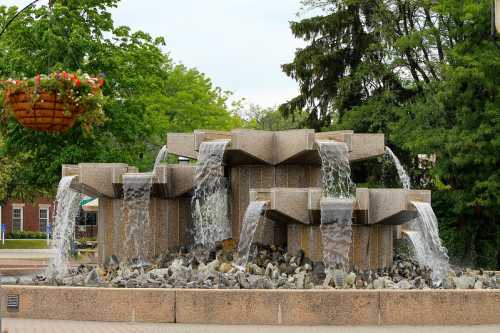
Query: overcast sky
239	44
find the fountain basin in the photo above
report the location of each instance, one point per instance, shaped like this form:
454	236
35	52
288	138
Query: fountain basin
257	307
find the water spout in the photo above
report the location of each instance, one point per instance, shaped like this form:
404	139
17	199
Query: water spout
209	202
429	251
336	204
251	220
67	202
135	208
403	175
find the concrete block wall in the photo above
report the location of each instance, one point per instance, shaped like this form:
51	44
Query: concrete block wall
371	247
258	307
169	224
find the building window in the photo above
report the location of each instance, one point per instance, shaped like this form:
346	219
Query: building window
17	219
43	218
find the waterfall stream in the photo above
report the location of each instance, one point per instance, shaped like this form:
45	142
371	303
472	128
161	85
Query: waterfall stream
67	202
336	203
135	209
403	175
429	250
210	202
423	232
251	220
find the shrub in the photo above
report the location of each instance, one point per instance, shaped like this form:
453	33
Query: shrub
27	235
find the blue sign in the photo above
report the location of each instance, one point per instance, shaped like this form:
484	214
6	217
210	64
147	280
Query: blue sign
4	227
48	228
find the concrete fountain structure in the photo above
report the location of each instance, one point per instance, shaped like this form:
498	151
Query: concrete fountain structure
282	168
274	178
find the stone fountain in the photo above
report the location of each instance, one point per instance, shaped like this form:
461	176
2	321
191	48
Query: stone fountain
282	169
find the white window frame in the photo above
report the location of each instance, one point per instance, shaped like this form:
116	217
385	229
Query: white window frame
21	217
47	218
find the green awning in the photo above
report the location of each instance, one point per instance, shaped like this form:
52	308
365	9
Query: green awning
86	201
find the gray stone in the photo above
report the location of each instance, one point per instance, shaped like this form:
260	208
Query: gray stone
93	278
403	284
464	282
350	279
379	283
225	267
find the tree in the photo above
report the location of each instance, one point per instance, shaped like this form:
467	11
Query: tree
147	93
426	73
363	51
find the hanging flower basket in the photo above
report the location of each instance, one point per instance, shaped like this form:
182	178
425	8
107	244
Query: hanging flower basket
52	103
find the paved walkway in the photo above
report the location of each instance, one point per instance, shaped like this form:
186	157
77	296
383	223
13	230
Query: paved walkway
50	326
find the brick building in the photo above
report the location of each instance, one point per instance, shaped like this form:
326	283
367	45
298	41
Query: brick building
26	216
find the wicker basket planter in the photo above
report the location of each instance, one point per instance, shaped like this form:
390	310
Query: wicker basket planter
48	113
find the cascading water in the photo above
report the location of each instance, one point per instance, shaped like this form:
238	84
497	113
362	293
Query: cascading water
403	175
336	203
423	232
209	202
136	198
429	250
67	202
250	222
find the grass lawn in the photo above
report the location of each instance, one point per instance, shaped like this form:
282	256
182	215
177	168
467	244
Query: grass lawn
24	244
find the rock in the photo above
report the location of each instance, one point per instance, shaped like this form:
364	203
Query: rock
318	272
389	284
300	280
257	282
159	272
213	266
403	284
269	270
328	281
255	269
93	278
242	280
359	283
464	282
350	279
111	263
299	257
339	278
478	285
378	283
225	267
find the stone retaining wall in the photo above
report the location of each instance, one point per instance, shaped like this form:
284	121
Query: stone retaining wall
257	307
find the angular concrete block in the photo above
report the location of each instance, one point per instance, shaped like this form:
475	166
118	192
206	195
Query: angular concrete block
365	146
97	179
181	144
292	144
209	135
287	205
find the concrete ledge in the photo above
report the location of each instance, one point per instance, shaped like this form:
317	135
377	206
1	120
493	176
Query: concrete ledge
257	307
449	307
277	307
101	304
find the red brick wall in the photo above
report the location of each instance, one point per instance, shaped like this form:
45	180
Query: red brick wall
30	213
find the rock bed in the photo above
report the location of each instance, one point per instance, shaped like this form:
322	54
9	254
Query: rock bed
270	268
